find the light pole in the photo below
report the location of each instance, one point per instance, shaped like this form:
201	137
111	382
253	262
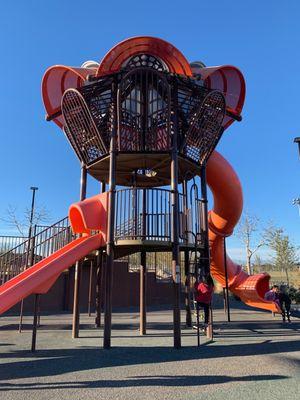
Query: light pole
297	140
296	201
34	189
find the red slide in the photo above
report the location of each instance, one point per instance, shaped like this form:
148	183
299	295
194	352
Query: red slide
227	209
85	217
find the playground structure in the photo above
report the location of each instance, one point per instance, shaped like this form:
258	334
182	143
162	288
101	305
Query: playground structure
146	123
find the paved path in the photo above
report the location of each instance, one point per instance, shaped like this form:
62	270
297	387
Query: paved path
254	357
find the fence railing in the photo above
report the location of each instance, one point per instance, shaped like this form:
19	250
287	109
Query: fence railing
9	242
141	214
145	214
44	242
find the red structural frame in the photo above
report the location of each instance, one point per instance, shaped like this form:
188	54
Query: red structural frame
227	78
172	57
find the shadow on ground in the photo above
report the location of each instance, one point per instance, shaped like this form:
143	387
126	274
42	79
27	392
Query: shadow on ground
140	381
56	362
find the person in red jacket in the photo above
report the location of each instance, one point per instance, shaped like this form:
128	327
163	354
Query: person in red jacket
203	295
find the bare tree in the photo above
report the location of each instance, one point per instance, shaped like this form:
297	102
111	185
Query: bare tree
258	262
285	252
21	221
246	230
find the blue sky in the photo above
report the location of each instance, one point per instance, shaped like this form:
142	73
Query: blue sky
261	38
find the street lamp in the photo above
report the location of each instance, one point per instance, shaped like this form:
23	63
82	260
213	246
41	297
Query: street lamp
296	202
297	140
34	189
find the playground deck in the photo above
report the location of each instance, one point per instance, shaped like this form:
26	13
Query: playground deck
253	357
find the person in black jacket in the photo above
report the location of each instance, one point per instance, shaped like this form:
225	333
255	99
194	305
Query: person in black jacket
285	304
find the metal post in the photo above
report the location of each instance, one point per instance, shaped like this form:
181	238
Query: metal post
34	189
99	279
99	286
34	325
224	300
143	280
198	324
204	220
90	289
226	282
210	331
188	315
205	253
78	265
110	224
175	225
143	270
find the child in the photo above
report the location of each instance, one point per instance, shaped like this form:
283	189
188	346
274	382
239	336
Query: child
285	304
273	295
203	295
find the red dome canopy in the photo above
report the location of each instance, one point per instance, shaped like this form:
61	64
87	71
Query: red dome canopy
172	57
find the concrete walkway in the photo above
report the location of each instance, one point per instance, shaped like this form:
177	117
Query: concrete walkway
253	357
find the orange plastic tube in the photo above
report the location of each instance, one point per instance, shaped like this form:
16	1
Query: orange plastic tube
227	209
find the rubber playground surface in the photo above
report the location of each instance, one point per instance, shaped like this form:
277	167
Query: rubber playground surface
253	357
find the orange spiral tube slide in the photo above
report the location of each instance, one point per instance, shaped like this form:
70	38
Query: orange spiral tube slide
227	209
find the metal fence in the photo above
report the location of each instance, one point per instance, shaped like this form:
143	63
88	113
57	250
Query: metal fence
44	242
145	214
158	262
9	242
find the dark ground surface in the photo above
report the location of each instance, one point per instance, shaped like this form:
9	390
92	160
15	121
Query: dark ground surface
256	356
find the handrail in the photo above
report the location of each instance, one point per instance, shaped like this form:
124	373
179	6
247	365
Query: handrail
42	244
145	214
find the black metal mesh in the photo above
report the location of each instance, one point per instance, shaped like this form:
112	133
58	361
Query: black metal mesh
98	97
145	60
204	127
80	127
144	111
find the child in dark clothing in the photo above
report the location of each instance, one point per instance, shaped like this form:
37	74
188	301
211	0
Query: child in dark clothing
203	296
285	305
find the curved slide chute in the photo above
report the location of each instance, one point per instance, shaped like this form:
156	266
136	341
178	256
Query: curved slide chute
227	209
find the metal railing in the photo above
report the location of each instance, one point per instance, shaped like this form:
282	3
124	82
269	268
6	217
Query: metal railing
145	214
9	242
145	109
44	242
159	263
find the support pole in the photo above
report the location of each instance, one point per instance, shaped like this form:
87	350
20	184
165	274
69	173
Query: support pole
205	254
198	324
78	265
204	219
210	331
175	225
226	282
188	315
143	270
90	289
99	278
99	289
143	280
30	249
110	224
34	325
